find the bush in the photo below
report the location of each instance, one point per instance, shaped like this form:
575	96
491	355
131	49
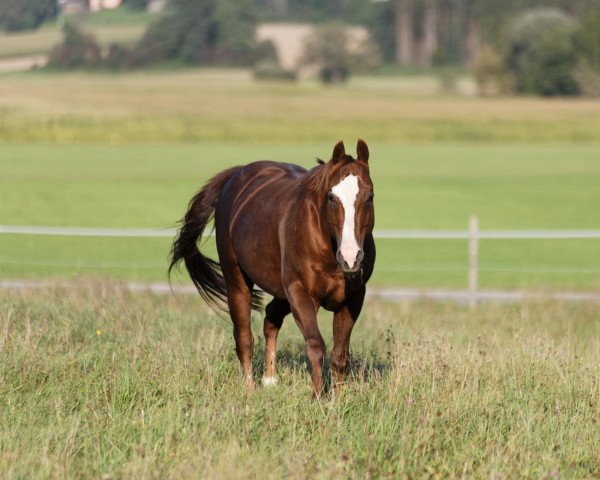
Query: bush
588	80
448	78
136	4
266	51
270	70
336	54
26	14
542	53
118	57
490	72
588	41
78	50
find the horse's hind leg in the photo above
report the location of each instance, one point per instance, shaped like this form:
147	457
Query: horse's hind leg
276	310
239	299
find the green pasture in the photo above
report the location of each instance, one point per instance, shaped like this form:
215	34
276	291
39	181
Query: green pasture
100	383
417	187
93	149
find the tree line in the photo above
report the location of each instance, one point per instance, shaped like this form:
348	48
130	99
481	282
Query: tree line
537	46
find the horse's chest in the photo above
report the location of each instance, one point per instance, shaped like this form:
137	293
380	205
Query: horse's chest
338	293
332	300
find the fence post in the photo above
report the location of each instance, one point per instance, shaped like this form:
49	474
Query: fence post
473	260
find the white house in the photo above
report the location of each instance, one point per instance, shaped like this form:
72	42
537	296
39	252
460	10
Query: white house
96	5
70	7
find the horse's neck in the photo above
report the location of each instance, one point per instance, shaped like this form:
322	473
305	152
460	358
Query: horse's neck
311	222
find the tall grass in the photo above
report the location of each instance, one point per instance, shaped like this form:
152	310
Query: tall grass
101	383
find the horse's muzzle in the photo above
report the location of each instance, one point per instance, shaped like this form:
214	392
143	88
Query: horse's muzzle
344	264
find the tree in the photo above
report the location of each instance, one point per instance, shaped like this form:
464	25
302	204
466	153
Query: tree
542	53
201	32
336	54
26	14
404	31
77	50
430	43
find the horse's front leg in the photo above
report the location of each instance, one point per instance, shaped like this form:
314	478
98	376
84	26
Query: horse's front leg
304	309
343	323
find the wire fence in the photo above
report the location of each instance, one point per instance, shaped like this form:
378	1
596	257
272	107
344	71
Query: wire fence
389	234
473	235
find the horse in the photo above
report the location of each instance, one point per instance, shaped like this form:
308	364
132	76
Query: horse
303	237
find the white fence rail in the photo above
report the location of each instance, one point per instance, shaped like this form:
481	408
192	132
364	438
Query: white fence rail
391	234
473	235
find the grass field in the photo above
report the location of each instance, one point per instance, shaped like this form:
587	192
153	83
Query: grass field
129	150
428	187
99	383
96	382
219	106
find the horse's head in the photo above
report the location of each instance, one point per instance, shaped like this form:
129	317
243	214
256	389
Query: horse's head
346	198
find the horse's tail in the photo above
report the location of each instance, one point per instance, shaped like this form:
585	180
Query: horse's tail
204	272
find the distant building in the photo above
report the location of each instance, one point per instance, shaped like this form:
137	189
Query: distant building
97	5
74	7
156	6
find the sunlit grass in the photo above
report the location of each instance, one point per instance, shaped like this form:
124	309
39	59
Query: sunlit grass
516	163
225	106
100	383
417	187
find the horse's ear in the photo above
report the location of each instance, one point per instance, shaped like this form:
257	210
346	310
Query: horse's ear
339	152
362	151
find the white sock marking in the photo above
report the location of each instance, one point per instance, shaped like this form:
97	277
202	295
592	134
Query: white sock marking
268	381
347	191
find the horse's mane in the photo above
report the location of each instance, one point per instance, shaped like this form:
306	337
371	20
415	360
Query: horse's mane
317	178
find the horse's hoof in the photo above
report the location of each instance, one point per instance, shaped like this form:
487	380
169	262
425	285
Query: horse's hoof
269	381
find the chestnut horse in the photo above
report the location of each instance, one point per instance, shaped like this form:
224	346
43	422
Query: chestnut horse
304	237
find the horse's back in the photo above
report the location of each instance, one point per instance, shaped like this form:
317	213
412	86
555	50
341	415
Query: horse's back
249	212
270	169
258	181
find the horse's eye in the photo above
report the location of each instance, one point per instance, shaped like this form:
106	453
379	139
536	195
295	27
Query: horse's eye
330	197
370	198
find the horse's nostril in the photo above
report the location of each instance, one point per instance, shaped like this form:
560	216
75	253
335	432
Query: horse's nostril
341	260
359	256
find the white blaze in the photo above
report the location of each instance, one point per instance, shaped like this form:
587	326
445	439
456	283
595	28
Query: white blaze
346	191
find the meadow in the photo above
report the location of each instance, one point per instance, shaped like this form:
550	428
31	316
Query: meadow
227	106
417	187
99	383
